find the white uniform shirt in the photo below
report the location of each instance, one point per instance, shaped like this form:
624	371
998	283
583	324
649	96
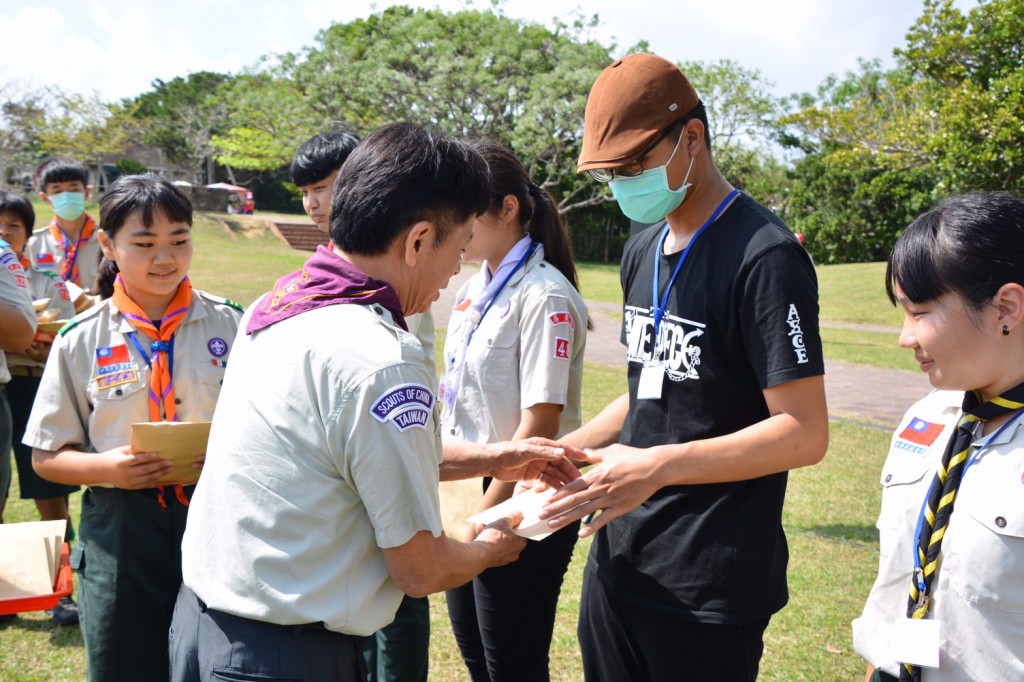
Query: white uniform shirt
42	286
324	449
46	255
527	350
979	594
91	399
14	291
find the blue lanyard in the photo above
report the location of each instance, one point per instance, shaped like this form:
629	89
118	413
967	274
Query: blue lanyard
522	261
659	308
156	347
920	518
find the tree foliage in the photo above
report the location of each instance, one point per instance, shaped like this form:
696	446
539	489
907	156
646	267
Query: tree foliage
22	122
87	128
743	117
471	73
948	118
181	116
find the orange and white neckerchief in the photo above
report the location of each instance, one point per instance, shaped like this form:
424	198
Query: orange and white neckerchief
69	271
161	388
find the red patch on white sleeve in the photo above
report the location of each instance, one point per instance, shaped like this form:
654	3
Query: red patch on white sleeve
562	348
562	317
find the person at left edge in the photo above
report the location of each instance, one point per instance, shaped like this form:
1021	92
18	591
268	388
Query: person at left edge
319	505
26	367
17	327
154	350
69	246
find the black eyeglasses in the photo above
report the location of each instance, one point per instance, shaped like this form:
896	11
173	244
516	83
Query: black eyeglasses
633	168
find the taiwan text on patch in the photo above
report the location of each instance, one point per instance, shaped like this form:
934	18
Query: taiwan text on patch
405	406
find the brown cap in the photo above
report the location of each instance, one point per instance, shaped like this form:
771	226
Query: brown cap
632	102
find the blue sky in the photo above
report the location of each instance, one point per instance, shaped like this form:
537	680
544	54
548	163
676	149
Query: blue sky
118	47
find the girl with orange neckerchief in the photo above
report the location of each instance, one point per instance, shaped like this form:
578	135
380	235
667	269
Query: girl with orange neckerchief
153	350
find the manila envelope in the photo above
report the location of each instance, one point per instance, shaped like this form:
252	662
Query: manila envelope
30	558
179	442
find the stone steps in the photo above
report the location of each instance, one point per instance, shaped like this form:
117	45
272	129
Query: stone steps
302	236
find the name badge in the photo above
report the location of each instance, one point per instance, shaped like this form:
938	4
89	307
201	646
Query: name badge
652	378
916	641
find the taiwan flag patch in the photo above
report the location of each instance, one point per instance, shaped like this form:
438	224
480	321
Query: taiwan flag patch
112	355
921	432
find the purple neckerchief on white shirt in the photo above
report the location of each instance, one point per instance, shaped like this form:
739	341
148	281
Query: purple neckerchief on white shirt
325	279
472	315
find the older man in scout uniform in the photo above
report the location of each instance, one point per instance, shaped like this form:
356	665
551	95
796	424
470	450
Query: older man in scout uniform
318	507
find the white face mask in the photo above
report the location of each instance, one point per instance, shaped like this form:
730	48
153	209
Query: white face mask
647	198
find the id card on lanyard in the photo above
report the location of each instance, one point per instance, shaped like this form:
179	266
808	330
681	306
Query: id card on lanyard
652	376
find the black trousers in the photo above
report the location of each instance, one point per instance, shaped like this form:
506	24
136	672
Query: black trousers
504	618
622	642
208	645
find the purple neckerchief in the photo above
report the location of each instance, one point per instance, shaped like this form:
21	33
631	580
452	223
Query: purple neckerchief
325	279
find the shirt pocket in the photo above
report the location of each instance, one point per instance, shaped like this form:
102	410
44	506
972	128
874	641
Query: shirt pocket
496	355
984	549
904	485
203	391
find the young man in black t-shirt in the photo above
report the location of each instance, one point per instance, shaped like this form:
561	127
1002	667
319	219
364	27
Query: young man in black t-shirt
726	394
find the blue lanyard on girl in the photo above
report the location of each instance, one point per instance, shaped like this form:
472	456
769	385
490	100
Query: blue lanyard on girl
920	518
156	347
659	307
519	265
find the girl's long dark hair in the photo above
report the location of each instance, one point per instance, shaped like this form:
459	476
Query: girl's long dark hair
130	193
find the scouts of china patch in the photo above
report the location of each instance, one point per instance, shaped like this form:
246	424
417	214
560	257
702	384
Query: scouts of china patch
562	317
921	432
128	376
404	406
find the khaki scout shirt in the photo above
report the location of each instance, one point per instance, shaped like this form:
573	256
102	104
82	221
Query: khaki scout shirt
325	449
42	286
978	592
14	291
90	399
527	350
47	256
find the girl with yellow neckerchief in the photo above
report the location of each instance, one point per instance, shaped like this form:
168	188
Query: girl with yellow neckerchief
948	603
155	349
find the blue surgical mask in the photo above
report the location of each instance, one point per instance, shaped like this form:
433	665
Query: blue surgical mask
647	198
68	205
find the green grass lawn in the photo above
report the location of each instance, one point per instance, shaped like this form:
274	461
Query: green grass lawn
829	516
